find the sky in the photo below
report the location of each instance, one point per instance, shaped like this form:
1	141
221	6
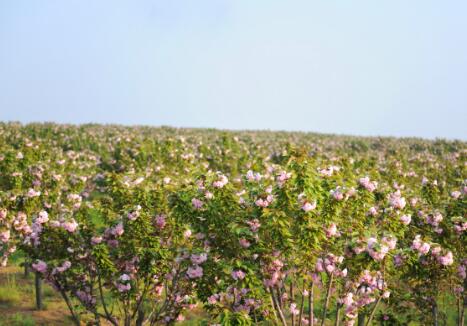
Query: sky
396	68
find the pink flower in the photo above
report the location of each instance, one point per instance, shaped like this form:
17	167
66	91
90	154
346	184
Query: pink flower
71	226
373	211
348	299
238	275
254	225
424	248
160	221
195	272
337	194
244	243
5	236
308	206
262	203
456	194
199	259
293	309
123	287
96	240
367	184
117	230
446	260
405	219
197	204
40	266
331	231
396	200
42	217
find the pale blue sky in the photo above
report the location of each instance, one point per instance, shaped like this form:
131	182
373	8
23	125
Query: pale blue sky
353	67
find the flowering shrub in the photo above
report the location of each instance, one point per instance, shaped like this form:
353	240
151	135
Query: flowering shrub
139	225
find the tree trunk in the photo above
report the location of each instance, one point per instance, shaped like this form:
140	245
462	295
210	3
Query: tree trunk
311	315
328	296
38	284
338	317
434	313
361	319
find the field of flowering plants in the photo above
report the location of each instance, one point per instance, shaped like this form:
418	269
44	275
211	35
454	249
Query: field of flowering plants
156	226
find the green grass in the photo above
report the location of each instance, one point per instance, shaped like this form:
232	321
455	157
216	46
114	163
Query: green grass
10	293
18	319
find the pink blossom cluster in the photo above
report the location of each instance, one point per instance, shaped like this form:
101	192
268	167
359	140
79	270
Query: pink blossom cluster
221	181
305	204
160	221
282	178
396	200
254	225
327	172
62	268
363	292
422	247
197	204
330	264
196	271
135	213
123	283
253	176
86	297
264	202
75	200
39	266
460	225
273	273
367	184
331	231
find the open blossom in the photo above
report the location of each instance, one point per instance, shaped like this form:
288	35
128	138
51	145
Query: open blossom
160	221
331	231
32	193
244	243
195	272
456	194
199	259
221	182
117	230
96	240
307	206
373	211
405	219
254	225
396	200
40	266
251	176
293	309
283	177
238	275
446	260
348	299
337	194
71	226
5	236
60	269
197	204
42	217
367	184
123	287
262	202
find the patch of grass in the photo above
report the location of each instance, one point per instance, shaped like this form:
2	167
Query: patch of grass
10	294
19	319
